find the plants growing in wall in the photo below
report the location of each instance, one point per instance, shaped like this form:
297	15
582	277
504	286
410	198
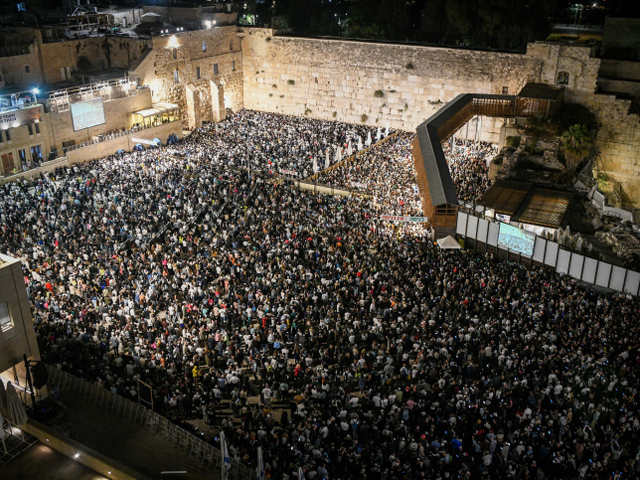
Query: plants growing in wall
364	118
409	66
291	82
274	86
576	145
307	111
335	114
378	94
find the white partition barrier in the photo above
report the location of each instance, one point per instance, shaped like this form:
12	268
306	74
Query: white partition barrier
589	270
483	230
551	256
461	225
472	227
633	282
603	273
575	268
538	249
494	230
618	275
562	265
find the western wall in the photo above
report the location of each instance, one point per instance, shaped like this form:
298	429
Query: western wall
372	83
403	85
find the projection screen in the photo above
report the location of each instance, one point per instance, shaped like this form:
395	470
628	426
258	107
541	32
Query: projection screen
516	240
87	114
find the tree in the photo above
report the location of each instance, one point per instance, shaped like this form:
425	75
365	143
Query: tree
576	144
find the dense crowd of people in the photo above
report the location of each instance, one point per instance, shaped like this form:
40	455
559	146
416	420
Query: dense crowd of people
387	357
385	173
280	143
469	167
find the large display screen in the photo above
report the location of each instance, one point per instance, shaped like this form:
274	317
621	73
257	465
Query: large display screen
516	240
87	114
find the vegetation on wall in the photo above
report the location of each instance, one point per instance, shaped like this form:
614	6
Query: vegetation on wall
577	143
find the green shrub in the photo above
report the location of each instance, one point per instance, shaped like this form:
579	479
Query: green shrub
378	94
513	141
363	118
335	114
291	82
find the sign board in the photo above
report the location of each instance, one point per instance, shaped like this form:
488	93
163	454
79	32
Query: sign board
292	173
17	118
359	185
404	219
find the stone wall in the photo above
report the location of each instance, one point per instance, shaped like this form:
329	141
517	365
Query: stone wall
619	69
618	143
371	83
89	55
125	142
14	72
621	38
118	114
181	69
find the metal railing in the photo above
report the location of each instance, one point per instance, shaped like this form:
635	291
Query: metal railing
61	100
191	446
111	136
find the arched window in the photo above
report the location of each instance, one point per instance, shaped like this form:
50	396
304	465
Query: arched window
563	78
231	45
204	46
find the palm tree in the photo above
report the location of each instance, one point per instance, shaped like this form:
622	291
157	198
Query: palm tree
576	143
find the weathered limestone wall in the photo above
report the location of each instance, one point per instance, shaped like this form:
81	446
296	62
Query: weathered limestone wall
575	60
181	69
89	55
372	83
618	143
14	72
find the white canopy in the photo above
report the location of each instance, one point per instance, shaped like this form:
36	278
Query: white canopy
448	243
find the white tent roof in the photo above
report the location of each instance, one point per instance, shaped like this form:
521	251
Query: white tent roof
448	243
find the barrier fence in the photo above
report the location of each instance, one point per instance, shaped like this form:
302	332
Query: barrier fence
193	447
552	254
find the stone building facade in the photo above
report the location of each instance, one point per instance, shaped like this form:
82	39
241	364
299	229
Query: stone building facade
200	71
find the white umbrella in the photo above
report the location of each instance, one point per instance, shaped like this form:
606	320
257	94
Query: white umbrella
339	154
327	159
359	143
378	134
349	149
368	142
3	398
15	410
315	165
260	467
386	131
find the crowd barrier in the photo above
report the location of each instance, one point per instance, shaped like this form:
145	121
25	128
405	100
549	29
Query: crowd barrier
193	447
552	254
351	158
